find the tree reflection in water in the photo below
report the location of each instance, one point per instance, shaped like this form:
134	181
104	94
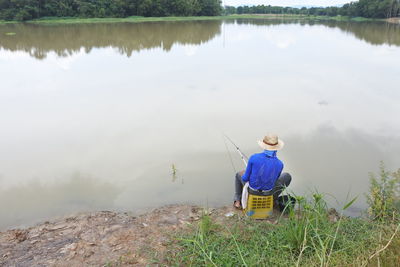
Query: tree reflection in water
65	40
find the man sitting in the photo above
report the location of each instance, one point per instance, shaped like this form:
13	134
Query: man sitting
264	171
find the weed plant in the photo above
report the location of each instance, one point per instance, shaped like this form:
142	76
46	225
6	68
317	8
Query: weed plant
384	195
307	237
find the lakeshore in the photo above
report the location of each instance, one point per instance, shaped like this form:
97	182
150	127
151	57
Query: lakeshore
139	19
99	120
162	237
103	238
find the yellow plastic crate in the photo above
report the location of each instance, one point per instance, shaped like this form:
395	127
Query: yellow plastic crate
259	207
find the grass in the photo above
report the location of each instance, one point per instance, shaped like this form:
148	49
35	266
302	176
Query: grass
138	19
306	238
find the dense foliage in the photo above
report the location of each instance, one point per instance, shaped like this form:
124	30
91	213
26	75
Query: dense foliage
33	9
362	8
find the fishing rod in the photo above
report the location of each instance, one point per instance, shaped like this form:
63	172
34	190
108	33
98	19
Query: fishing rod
242	155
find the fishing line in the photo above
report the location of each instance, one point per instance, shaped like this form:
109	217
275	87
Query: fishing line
242	155
229	154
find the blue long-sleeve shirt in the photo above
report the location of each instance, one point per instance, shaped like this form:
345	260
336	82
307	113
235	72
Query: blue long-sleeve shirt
263	169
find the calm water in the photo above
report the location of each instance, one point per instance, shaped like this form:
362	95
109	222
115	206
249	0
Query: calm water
93	116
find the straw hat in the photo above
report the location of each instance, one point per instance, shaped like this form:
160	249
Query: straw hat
271	142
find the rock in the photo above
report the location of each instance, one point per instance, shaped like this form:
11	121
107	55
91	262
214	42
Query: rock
58	227
194	216
6	255
119	247
21	235
34	236
169	220
163	241
68	248
333	215
88	254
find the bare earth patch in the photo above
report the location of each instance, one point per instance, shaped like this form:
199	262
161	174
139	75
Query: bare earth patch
101	238
393	20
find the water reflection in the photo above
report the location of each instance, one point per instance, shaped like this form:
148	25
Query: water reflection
376	33
342	159
65	40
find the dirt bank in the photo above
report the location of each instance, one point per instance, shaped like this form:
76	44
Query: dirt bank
101	238
393	20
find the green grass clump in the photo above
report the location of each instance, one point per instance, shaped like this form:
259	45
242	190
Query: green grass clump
308	237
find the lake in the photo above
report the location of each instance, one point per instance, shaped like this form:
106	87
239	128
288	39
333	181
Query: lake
129	117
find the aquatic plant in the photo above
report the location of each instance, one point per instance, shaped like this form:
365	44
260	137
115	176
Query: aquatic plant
174	172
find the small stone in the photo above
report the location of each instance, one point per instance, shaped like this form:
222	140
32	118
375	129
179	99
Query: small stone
7	254
69	247
163	241
145	224
34	236
21	235
229	214
169	220
117	248
88	254
58	227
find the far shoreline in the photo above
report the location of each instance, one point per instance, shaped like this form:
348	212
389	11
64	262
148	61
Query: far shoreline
138	19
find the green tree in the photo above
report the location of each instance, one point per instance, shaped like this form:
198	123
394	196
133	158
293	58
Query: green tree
210	8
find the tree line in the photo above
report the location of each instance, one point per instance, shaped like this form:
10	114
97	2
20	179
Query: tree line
362	8
33	9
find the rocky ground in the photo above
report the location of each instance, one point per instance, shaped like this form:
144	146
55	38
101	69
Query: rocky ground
101	238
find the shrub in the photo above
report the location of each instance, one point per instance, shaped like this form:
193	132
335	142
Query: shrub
384	195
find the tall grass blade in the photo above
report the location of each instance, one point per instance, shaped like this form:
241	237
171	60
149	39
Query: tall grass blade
237	247
350	203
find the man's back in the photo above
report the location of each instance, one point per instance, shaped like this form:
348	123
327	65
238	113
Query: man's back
263	170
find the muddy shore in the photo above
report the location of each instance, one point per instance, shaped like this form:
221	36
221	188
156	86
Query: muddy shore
101	238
